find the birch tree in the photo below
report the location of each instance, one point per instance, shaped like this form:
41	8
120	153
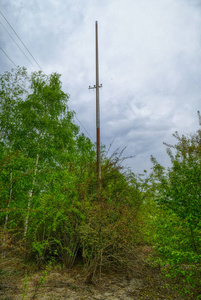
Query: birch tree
34	120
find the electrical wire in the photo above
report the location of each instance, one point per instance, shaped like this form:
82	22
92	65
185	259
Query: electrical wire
30	61
21	41
8	57
17	44
84	129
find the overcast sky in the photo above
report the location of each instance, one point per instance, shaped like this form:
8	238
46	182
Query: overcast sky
149	62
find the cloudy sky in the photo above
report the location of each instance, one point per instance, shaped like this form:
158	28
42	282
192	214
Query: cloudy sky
149	62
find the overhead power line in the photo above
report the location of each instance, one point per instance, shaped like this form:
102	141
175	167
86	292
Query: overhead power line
8	57
84	128
29	59
16	44
21	40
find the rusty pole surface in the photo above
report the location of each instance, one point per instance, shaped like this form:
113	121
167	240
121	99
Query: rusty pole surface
97	86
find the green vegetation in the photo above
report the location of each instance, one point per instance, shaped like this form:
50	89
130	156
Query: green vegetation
50	202
174	223
52	209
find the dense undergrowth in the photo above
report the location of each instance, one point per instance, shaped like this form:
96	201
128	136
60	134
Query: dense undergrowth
53	210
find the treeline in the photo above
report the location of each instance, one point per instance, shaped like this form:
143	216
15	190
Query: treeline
51	205
53	210
176	215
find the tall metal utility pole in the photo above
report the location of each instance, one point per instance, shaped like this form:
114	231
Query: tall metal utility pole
97	86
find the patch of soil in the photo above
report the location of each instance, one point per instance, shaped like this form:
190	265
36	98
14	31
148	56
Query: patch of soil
141	282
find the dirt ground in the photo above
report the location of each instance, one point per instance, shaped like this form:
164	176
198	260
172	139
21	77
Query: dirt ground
144	282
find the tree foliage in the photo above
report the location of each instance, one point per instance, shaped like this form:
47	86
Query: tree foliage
48	187
177	222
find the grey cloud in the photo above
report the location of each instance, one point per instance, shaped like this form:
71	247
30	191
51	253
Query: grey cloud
150	65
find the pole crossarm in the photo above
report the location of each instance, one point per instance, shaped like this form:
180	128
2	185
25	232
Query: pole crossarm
95	86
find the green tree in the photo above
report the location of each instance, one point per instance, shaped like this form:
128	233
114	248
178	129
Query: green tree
180	186
13	89
36	122
44	162
177	234
48	183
